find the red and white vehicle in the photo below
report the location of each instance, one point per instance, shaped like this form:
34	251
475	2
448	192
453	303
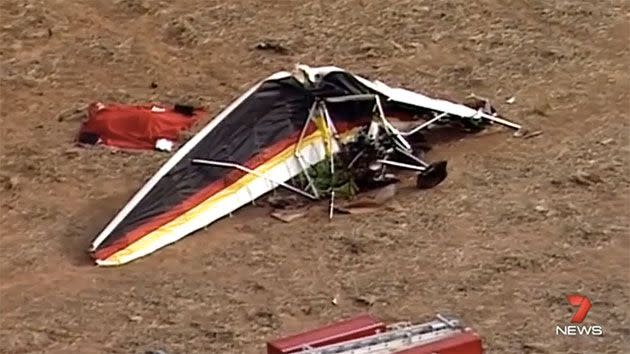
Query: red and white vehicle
368	335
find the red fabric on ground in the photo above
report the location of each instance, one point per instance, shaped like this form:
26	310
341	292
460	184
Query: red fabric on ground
136	127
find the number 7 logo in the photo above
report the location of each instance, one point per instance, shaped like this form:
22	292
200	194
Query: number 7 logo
584	306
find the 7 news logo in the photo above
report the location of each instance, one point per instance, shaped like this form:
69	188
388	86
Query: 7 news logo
584	305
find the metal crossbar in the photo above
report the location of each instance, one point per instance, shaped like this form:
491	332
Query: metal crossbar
362	97
298	154
424	125
402	165
331	132
254	172
498	120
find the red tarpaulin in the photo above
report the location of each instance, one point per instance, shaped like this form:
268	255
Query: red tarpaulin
136	127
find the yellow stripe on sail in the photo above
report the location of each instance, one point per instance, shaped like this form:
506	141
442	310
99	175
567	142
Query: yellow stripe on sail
152	239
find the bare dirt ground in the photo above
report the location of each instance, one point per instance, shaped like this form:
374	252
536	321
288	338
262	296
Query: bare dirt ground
518	224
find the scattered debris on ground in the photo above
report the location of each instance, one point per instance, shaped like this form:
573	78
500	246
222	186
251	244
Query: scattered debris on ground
368	202
290	215
272	46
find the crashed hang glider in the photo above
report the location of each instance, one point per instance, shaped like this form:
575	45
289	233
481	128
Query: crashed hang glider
274	132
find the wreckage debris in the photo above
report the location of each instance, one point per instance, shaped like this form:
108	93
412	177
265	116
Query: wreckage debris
272	46
368	203
432	176
149	126
285	201
290	215
317	132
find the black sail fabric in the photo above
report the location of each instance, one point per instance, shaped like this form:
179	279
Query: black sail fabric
342	83
272	113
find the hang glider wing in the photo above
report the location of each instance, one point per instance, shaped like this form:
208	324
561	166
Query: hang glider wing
275	131
258	133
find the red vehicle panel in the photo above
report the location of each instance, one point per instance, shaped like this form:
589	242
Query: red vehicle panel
358	327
